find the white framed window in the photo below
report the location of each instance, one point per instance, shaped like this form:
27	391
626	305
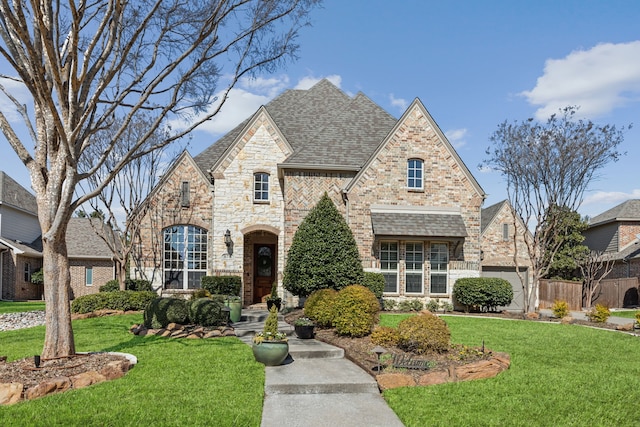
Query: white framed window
261	187
415	169
414	262
184	257
27	272
88	276
389	266
439	259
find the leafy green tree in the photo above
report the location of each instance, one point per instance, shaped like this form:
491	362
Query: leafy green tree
323	254
565	252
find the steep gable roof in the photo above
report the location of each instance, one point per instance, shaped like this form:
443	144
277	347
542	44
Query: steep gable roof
626	211
489	213
84	242
324	126
14	194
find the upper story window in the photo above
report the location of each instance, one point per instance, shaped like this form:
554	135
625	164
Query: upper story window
261	187
415	169
184	194
505	232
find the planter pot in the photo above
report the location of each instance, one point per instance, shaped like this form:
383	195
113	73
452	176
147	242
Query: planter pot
271	303
236	310
271	353
304	332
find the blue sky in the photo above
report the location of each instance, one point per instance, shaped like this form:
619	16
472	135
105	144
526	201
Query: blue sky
473	64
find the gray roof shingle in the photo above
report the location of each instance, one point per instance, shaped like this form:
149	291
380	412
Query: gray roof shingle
323	125
14	194
83	242
489	213
626	211
418	224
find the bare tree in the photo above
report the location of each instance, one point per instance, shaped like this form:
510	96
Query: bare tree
595	267
547	167
84	63
124	194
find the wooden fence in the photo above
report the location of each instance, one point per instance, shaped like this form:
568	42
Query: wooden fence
614	293
552	290
618	293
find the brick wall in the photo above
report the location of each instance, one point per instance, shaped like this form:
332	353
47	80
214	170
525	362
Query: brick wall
496	250
14	287
627	232
103	271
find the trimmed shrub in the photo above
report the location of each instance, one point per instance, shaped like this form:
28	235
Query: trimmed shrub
162	311
410	305
206	312
130	285
323	253
319	306
422	333
433	305
355	311
117	300
389	304
599	314
110	286
375	282
482	293
200	293
385	336
222	285
560	309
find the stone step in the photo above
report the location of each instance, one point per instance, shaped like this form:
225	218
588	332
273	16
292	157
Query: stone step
318	376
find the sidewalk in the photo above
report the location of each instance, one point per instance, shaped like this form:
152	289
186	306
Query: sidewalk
582	315
316	385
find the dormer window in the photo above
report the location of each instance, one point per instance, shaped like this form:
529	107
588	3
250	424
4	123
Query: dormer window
261	187
415	168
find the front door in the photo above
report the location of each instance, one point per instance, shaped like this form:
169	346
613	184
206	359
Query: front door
264	260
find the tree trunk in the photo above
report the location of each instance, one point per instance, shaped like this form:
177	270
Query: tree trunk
58	339
122	274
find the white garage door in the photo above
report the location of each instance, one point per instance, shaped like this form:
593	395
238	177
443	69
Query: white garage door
509	274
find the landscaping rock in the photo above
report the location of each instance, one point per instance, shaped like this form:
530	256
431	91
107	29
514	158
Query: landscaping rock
628	327
86	379
532	315
115	370
388	381
478	370
433	378
567	320
48	387
10	393
213	334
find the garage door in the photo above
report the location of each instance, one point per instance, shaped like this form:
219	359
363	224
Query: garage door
509	274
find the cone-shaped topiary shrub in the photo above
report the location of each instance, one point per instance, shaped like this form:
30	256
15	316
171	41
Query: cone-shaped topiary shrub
323	253
162	311
422	333
206	312
355	311
319	306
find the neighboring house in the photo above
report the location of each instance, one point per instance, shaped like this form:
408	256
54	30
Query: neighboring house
498	250
91	262
616	232
412	204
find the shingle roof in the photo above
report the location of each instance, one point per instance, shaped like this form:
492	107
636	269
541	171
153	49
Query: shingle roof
14	194
418	224
32	249
83	242
489	213
626	211
323	125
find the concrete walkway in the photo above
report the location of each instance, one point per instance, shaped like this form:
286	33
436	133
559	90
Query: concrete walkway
316	385
582	315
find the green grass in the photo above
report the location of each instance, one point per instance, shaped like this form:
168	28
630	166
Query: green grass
175	383
14	307
627	314
560	375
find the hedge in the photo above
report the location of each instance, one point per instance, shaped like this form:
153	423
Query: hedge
482	293
116	300
222	285
130	285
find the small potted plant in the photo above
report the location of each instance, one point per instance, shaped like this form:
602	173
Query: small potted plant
274	300
304	328
270	347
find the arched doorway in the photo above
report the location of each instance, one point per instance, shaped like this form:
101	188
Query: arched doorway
260	263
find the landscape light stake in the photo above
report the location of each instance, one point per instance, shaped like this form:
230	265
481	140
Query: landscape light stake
36	361
378	350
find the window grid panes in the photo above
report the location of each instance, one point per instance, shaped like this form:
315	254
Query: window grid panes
261	187
439	264
414	173
389	265
185	256
414	260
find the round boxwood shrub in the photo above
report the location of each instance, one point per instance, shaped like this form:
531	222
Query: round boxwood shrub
385	336
206	312
375	282
482	293
423	333
355	311
162	311
319	306
116	300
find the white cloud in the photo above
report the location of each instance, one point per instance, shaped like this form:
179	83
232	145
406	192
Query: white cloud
18	91
306	82
399	103
609	198
599	80
457	137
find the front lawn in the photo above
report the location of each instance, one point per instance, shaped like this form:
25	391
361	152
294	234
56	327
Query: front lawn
14	307
627	314
560	375
176	382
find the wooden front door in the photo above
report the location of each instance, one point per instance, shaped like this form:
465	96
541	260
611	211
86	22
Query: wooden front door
264	261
